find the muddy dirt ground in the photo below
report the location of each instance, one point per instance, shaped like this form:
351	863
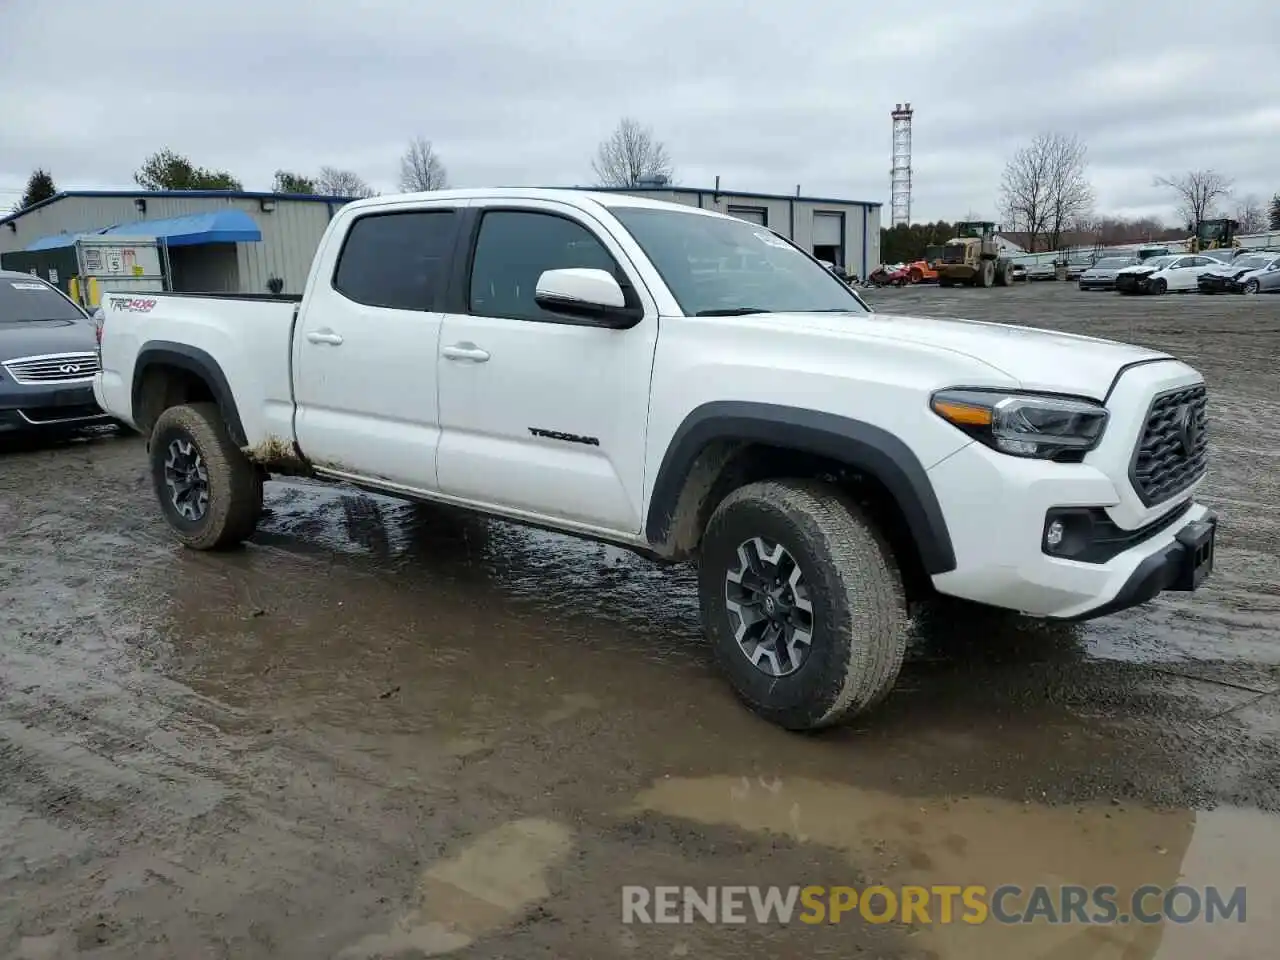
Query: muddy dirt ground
383	730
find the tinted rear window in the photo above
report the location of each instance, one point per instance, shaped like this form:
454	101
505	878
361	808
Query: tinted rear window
395	260
34	300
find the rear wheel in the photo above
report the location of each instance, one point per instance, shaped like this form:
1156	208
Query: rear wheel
802	602
209	492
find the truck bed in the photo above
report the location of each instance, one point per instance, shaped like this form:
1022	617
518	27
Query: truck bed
248	334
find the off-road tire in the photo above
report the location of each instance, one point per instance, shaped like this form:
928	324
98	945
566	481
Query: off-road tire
235	484
1004	274
944	282
986	273
859	611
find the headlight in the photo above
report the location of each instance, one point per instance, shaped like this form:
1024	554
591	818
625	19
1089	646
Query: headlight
1040	426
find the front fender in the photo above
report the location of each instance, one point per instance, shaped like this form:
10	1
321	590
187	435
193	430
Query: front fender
861	446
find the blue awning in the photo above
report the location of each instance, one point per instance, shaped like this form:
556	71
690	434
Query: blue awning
222	226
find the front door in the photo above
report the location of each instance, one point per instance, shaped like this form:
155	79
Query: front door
542	414
365	348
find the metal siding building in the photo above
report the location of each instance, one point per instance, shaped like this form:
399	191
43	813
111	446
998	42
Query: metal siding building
291	227
844	232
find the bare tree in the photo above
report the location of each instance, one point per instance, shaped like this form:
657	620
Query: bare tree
421	168
1251	215
631	155
1070	194
333	182
1044	189
1199	192
1024	194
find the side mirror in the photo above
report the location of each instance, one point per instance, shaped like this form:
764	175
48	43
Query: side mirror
594	295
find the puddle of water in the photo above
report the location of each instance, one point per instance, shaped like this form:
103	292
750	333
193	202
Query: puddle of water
896	841
487	887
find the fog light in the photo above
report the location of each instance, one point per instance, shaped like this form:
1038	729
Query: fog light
1053	535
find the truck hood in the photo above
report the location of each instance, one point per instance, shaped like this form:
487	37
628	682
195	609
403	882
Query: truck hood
35	338
1037	359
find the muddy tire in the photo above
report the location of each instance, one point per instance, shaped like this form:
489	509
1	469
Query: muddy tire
804	544
1004	274
987	273
209	492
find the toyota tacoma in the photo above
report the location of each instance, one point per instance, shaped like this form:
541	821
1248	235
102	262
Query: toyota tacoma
693	387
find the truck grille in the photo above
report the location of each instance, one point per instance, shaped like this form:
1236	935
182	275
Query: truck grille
53	368
1174	450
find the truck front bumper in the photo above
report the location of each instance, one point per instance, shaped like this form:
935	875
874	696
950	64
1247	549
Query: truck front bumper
999	512
30	407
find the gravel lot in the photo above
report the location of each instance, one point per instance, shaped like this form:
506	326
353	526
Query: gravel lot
383	730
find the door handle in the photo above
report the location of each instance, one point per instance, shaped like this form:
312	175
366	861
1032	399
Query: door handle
325	336
465	351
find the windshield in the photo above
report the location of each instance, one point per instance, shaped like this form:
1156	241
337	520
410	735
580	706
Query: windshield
1158	263
32	299
1251	263
1213	230
1114	263
719	266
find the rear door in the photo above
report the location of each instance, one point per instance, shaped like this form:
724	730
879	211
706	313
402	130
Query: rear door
1187	271
365	346
542	414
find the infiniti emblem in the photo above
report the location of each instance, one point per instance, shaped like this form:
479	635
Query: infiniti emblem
69	368
1188	429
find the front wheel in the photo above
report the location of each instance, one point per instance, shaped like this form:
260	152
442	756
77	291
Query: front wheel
209	492
1252	287
1160	287
802	602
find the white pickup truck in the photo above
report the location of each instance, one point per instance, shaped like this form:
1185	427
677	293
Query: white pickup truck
691	386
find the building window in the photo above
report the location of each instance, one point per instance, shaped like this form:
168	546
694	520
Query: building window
758	215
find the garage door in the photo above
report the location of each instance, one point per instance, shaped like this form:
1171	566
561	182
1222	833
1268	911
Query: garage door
750	214
828	230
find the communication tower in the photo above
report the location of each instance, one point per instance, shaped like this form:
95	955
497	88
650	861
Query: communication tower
901	173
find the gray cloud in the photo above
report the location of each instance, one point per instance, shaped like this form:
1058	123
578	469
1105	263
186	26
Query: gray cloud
765	97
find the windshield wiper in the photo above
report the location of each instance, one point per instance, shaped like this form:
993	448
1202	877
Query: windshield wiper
731	312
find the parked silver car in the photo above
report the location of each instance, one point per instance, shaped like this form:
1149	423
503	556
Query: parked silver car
1102	275
1251	273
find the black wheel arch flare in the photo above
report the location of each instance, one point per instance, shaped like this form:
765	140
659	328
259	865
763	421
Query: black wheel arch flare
195	361
861	446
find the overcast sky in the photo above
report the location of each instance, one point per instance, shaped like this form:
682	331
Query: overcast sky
767	95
